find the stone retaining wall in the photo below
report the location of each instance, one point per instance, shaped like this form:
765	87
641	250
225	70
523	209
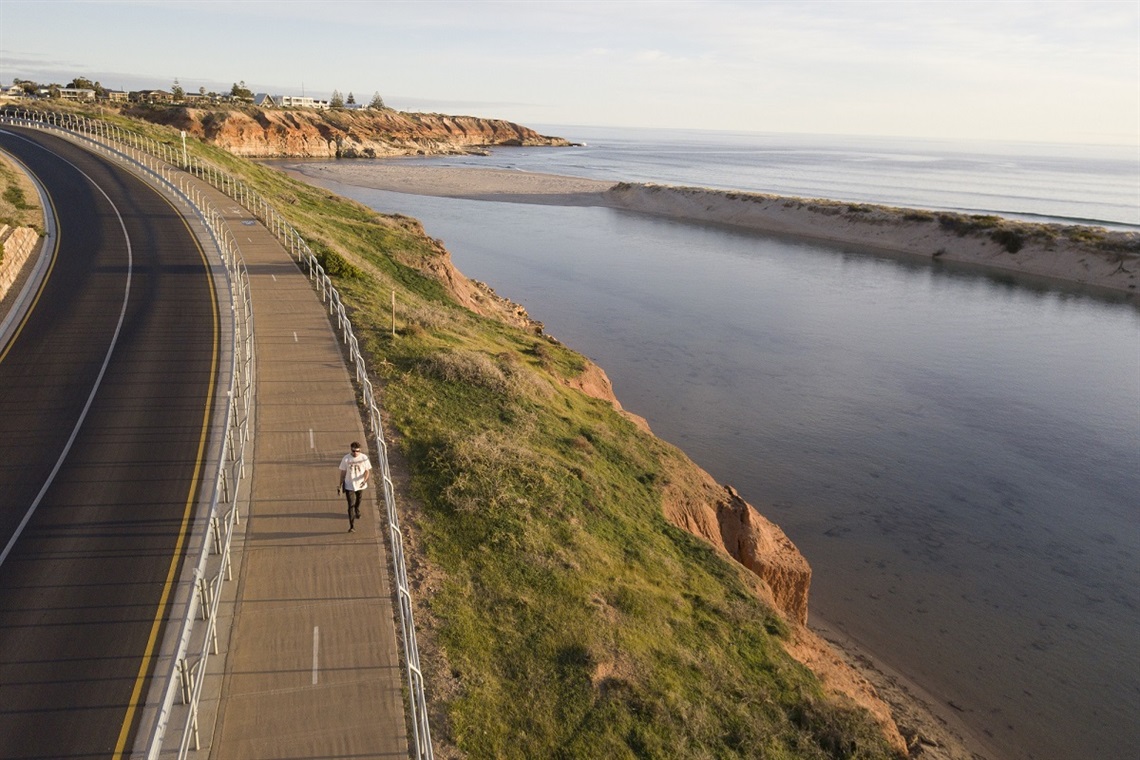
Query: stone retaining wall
18	246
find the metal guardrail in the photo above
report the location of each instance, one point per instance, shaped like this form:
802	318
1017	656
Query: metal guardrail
159	159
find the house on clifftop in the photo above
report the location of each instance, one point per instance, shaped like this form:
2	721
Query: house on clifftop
294	101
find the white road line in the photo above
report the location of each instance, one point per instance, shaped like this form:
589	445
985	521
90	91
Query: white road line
98	380
312	439
316	648
274	277
294	336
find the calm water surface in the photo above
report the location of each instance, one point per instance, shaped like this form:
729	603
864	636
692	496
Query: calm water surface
958	456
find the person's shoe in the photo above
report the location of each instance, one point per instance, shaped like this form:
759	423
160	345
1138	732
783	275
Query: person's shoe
351	529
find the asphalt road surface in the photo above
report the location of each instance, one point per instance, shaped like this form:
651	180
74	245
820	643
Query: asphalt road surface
105	395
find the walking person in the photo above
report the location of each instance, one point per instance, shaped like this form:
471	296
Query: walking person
355	472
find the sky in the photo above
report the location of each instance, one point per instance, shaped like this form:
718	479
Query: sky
1044	71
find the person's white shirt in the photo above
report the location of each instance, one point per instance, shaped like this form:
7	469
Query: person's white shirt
355	468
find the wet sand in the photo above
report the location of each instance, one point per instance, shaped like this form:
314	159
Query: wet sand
473	184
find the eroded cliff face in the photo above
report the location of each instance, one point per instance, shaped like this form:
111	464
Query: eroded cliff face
307	133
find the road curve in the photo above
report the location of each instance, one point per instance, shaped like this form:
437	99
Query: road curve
105	395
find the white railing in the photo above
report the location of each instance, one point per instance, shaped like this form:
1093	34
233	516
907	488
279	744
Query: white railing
157	157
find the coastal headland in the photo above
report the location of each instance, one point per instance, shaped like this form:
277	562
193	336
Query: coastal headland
369	133
1092	257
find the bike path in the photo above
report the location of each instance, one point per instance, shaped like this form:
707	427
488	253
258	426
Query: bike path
312	668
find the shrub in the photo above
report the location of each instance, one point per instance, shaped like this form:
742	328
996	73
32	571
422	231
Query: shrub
426	316
1011	240
465	367
333	263
963	225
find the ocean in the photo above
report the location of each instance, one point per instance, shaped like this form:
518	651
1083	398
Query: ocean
956	453
1075	184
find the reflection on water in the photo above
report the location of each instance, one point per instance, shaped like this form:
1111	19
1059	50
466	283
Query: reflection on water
957	456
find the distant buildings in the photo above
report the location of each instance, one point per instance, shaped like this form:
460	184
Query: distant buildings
82	95
151	96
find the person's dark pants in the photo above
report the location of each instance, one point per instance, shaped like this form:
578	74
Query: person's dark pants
353	498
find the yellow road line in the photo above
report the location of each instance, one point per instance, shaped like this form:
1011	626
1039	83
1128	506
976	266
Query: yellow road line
156	625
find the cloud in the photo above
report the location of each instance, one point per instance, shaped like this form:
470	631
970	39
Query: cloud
1008	68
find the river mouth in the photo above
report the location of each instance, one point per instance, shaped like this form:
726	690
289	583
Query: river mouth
955	453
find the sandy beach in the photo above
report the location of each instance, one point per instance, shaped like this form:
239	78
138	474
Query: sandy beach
1086	256
473	184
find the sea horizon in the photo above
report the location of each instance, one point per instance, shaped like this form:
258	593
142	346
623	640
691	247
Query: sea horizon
1064	183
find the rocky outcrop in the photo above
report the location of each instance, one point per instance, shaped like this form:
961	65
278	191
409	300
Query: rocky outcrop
367	133
694	501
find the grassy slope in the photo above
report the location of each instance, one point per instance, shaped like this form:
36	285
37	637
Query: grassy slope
567	618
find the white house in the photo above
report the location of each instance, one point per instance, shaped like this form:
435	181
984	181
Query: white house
76	93
294	101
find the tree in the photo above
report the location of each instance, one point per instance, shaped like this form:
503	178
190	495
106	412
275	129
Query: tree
241	92
351	100
377	101
177	91
336	101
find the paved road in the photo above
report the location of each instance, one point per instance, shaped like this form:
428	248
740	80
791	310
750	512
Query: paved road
105	396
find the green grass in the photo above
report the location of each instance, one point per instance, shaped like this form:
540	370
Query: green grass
572	621
16	210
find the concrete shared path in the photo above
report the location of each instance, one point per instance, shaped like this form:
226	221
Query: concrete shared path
312	668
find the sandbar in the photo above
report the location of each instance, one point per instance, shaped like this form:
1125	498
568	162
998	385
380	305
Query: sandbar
501	185
1090	257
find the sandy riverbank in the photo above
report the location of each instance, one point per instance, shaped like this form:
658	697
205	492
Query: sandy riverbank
1087	256
449	182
